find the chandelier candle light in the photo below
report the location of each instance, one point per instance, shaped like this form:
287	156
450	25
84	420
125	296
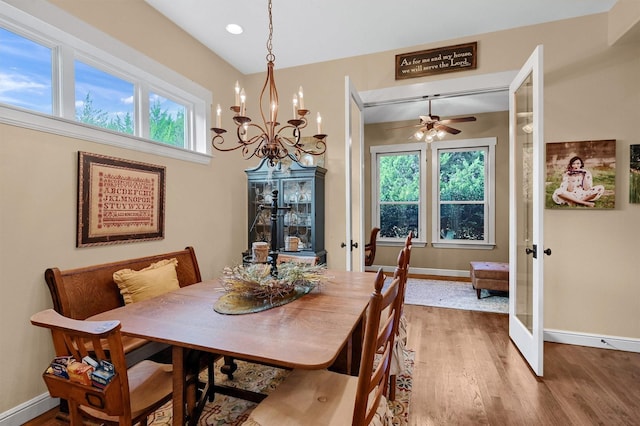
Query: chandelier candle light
268	140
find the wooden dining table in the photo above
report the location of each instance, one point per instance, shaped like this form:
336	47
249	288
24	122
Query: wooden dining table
322	329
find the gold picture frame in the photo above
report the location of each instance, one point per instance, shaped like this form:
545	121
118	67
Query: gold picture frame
119	201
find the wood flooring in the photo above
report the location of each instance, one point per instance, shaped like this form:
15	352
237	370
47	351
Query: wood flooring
467	372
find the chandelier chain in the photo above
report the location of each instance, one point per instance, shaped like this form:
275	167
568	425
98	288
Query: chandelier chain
270	56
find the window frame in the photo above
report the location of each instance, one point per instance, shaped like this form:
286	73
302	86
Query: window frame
489	200
70	39
380	150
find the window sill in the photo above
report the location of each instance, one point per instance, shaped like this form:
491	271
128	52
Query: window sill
64	127
398	243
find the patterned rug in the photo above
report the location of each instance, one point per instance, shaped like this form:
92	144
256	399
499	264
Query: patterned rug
226	410
454	294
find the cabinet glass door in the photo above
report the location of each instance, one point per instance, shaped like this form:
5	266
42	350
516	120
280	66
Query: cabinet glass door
298	221
260	199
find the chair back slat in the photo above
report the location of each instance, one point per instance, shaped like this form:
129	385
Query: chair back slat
377	340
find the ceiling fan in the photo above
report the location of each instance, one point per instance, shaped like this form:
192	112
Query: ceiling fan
431	126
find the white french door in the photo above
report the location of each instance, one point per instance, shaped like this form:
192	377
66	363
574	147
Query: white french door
526	172
354	178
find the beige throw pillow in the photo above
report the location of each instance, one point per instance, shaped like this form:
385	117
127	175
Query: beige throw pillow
154	280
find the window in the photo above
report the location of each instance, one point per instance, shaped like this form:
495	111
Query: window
54	78
399	191
463	193
166	120
25	73
102	99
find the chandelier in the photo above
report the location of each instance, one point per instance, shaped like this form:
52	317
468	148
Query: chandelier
268	139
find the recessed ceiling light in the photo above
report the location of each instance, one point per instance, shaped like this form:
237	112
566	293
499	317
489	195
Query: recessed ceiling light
234	29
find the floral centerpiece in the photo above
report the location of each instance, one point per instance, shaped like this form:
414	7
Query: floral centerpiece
256	280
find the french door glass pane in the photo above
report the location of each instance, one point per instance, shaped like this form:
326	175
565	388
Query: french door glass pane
103	99
462	221
25	73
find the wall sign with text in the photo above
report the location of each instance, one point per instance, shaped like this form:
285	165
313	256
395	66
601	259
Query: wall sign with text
460	57
119	200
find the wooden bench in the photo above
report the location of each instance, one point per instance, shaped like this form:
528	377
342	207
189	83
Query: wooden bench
489	276
83	292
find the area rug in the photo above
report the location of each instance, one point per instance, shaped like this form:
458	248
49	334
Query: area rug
454	294
226	410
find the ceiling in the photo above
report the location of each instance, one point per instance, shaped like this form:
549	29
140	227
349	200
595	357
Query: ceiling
311	31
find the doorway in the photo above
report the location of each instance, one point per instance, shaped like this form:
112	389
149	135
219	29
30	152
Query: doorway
483	94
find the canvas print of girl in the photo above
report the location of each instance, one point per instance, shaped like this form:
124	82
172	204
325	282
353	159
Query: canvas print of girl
581	174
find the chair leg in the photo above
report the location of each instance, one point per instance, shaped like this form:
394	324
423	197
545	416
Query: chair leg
211	376
392	387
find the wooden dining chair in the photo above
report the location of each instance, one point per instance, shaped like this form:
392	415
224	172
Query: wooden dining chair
370	247
132	394
322	397
398	359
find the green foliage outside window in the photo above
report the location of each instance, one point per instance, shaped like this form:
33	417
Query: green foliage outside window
462	176
163	127
399	176
462	194
90	115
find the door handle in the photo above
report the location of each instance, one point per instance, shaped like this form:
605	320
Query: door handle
533	250
353	245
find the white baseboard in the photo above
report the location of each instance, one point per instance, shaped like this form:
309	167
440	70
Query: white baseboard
28	410
627	344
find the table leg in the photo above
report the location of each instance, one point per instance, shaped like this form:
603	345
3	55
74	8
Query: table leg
356	347
177	357
229	367
348	361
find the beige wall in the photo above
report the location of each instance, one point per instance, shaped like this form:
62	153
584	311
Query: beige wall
591	92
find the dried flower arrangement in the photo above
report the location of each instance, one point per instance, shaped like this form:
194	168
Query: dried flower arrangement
256	280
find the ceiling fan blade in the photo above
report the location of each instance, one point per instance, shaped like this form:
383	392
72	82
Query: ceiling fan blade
424	119
447	129
405	127
458	120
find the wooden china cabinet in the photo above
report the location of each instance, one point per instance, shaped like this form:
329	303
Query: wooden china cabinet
300	198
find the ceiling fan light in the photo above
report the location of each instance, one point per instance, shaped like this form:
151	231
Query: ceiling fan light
441	134
429	137
418	135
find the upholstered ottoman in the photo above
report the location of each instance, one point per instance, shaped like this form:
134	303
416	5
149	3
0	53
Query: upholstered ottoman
489	276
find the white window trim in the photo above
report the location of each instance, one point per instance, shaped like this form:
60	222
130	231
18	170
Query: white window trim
490	185
51	26
422	207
